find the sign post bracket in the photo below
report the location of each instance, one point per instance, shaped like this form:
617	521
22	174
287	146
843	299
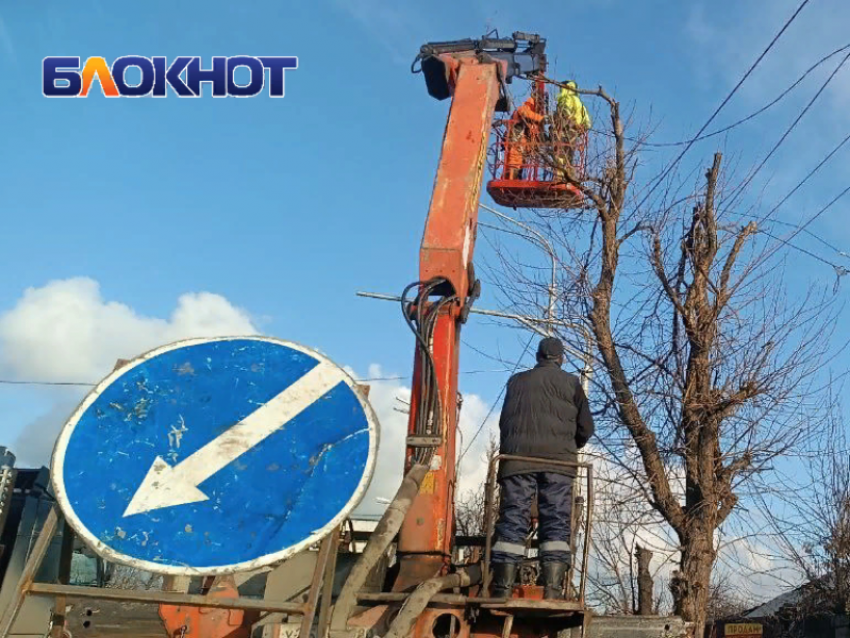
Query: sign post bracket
26	586
33	564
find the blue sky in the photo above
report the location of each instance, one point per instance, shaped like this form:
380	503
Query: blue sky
286	207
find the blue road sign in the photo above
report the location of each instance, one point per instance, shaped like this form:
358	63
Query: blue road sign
214	456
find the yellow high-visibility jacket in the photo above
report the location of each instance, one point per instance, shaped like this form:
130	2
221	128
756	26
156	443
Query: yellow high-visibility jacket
571	106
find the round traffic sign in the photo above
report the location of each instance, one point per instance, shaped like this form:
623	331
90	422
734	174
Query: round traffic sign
213	456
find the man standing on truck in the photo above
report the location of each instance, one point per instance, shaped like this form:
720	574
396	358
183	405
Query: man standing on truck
545	415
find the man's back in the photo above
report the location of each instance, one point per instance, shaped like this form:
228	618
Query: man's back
545	414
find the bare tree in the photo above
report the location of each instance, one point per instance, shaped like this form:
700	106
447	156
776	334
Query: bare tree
471	507
816	531
725	600
623	522
705	361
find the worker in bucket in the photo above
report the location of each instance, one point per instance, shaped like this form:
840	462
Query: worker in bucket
570	123
525	127
545	415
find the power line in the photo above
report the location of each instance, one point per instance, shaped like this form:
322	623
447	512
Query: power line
91	385
800	249
407	376
840	270
494	404
811	173
814	217
817	238
725	101
755	114
48	383
790	129
800	185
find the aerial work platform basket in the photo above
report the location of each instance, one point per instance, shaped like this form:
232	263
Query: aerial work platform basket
536	170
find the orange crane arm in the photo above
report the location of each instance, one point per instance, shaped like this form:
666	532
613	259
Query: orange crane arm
426	536
473	73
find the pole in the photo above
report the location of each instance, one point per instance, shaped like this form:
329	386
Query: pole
542	241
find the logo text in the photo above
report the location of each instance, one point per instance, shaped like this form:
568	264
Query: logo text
65	77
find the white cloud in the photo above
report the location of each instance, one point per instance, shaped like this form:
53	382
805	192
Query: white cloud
67	331
390	399
386	397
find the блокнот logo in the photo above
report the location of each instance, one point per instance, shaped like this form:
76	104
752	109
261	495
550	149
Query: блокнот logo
63	77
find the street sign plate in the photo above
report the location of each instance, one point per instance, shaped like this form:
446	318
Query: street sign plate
743	630
213	456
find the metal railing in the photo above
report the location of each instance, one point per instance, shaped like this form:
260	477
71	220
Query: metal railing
588	510
541	154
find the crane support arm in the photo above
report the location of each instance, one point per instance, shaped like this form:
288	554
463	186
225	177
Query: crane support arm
426	536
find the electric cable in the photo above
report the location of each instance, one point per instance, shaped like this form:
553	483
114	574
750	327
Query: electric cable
754	114
798	228
421	316
803	226
725	102
740	189
737	123
799	185
82	384
495	403
800	249
48	383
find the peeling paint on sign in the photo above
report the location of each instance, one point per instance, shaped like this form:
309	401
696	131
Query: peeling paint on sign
213	456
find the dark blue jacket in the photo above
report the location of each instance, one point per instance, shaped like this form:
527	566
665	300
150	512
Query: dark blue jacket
545	414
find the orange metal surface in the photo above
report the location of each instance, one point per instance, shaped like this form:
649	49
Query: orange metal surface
206	622
527	172
425	539
449	236
518	193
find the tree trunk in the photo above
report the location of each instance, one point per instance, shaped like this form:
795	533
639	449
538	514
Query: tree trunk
644	581
690	596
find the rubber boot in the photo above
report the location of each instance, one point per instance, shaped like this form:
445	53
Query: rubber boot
504	577
553	580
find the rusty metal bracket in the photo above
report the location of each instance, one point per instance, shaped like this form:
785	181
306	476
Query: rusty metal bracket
27	587
328	545
488	515
25	581
66	557
424	441
328	584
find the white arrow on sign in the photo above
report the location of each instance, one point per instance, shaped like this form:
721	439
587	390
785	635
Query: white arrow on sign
167	486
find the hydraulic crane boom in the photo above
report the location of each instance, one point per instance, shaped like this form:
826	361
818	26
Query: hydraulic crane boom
473	73
421	516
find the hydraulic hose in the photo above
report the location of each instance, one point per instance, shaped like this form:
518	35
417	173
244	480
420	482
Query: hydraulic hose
379	541
413	607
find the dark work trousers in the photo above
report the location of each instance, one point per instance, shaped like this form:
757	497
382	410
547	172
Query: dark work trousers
554	503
